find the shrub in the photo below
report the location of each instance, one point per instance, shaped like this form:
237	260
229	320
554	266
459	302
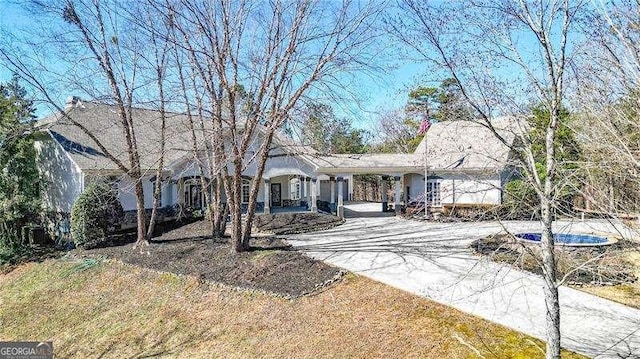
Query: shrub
96	213
323	206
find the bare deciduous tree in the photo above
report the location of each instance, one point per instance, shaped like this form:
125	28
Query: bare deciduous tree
477	45
256	62
609	104
100	39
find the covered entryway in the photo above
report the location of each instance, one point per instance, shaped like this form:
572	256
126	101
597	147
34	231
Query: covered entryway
283	192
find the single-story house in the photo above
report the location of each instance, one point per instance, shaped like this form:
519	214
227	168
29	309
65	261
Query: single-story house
464	162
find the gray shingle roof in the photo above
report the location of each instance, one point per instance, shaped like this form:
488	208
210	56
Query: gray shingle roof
467	145
451	146
368	163
103	121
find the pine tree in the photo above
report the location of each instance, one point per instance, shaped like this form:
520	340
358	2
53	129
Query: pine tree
19	178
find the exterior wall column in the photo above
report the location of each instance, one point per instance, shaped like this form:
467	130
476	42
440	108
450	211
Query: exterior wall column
385	194
340	209
314	204
350	189
397	190
305	193
267	195
405	180
332	201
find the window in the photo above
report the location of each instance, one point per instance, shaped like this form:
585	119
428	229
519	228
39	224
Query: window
246	189
192	193
295	188
433	193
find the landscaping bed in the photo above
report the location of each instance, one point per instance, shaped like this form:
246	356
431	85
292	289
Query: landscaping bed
290	223
271	265
594	265
610	271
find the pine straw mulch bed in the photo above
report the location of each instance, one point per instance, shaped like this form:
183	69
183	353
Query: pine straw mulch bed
584	266
290	223
271	266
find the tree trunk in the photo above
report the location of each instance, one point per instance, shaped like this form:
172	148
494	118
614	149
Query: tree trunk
142	216
262	158
552	300
157	188
236	210
551	297
219	213
154	210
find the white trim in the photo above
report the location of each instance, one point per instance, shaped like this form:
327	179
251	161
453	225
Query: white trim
295	187
245	182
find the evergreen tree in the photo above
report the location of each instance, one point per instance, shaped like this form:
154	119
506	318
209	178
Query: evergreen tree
521	200
19	178
442	103
324	131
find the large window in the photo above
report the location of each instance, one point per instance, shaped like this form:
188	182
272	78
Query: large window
246	190
433	192
295	188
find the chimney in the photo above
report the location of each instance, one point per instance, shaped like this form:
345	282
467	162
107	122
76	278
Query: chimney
72	101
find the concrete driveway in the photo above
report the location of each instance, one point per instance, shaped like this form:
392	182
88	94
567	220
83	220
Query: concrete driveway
433	260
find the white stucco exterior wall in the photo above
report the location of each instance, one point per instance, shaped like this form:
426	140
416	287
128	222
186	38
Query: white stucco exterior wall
127	196
484	191
63	179
459	188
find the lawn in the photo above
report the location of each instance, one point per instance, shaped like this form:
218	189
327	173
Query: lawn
626	293
93	308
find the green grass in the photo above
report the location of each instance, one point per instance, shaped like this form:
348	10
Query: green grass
105	308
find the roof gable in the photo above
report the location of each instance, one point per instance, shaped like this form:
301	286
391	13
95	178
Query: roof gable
467	145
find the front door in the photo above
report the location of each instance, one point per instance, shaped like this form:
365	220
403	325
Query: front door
193	194
276	194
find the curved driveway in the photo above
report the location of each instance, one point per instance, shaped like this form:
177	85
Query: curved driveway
433	260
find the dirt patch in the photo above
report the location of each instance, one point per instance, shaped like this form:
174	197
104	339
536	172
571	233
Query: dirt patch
270	266
194	230
598	265
290	223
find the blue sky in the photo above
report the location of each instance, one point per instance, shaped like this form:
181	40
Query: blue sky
388	90
11	15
